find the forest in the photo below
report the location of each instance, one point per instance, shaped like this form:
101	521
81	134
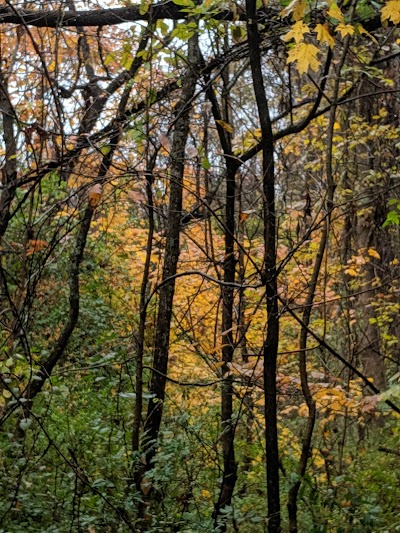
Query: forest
200	266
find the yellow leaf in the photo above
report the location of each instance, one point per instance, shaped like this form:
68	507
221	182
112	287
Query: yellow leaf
351	272
296	7
297	32
225	125
391	11
345	29
7	393
335	12
303	410
299	10
373	253
306	57
323	35
362	31
336	406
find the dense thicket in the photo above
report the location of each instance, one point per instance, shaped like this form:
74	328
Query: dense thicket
199	267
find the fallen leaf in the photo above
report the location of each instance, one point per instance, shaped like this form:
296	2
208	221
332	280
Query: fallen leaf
373	253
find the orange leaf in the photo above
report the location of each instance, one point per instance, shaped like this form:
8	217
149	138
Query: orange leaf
35	246
95	193
243	216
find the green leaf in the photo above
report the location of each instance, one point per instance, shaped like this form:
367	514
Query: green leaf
205	163
186	3
144	7
392	219
105	149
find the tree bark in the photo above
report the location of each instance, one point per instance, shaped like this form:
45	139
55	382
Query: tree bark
229	475
171	256
270	349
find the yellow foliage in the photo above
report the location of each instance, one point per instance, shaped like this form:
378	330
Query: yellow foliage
323	35
306	57
362	31
335	12
297	32
345	29
373	253
351	272
391	11
297	8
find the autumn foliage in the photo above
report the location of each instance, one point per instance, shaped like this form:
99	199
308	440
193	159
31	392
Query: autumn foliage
199	266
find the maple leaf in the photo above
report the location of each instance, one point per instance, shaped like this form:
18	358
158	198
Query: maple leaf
299	10
306	57
296	7
297	32
335	12
345	29
323	35
391	11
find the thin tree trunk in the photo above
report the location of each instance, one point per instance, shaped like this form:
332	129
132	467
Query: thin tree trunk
229	475
307	440
270	349
142	318
171	256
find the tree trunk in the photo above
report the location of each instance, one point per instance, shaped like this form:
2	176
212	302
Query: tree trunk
271	343
171	256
